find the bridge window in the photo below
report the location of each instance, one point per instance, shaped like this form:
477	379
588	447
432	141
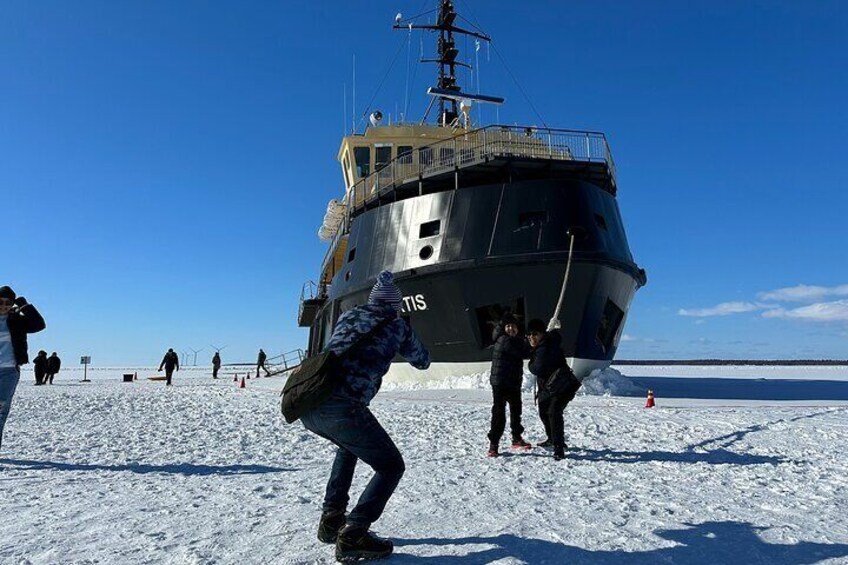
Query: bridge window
383	156
446	156
429	229
425	156
362	157
532	219
405	154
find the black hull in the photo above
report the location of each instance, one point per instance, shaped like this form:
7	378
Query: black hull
497	247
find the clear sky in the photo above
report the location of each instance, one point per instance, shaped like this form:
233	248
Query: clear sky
165	165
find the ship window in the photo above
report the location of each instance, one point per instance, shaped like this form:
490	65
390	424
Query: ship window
601	221
532	219
351	254
362	157
446	156
405	154
425	156
490	315
382	156
426	252
608	326
429	229
346	169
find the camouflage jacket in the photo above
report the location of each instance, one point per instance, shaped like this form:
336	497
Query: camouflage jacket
363	369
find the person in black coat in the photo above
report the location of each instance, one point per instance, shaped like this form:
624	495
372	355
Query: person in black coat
17	319
216	364
170	361
260	364
506	377
53	366
555	391
39	364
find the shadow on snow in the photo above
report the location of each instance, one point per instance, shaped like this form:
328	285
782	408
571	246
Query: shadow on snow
187	469
698	544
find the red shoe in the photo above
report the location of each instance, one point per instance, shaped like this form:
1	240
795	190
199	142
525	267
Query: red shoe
519	443
493	450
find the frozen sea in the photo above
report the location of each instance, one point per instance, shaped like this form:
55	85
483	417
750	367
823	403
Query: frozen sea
734	465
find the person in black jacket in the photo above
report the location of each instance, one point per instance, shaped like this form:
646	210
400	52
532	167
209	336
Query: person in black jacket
216	364
53	366
555	392
506	378
17	319
260	364
170	361
39	364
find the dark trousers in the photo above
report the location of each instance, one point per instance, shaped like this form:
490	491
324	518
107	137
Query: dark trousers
500	398
39	377
550	412
168	374
262	366
49	378
358	435
215	370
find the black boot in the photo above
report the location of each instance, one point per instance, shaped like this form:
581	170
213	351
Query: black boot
547	443
330	525
358	544
559	453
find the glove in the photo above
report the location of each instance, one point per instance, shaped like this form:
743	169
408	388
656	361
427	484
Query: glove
20	302
554	324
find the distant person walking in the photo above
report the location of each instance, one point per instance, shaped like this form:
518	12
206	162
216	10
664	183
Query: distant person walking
54	364
557	383
17	319
366	338
506	378
260	364
216	365
171	363
39	364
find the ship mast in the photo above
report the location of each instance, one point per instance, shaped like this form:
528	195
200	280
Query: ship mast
447	92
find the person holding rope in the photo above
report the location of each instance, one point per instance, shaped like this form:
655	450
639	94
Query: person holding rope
557	383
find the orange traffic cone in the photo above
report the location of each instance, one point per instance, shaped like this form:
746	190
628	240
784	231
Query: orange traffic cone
242	385
650	402
248	374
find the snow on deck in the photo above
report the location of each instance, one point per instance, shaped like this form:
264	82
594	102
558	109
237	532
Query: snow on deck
204	472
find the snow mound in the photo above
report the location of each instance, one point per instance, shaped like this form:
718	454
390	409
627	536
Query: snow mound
601	382
609	382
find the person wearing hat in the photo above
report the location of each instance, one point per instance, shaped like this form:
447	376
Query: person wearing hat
365	339
548	357
506	378
17	319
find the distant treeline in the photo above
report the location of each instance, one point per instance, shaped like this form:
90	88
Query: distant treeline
755	362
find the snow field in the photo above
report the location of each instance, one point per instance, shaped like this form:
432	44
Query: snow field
207	473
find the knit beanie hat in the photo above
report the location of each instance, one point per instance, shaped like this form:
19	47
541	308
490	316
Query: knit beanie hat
7	292
536	326
386	291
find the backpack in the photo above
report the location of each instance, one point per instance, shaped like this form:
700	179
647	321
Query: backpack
312	383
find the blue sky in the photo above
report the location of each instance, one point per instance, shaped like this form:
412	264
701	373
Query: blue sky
165	165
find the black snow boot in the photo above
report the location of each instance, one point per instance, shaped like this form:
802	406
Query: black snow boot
559	453
547	443
330	525
358	544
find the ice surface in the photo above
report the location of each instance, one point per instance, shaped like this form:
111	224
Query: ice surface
204	472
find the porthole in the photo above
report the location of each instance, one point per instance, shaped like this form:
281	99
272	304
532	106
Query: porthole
347	276
426	252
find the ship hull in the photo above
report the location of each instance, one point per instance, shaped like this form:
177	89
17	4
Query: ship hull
465	257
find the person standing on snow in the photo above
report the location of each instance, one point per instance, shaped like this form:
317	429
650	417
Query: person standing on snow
53	366
171	362
506	377
260	364
17	319
39	364
548	357
216	364
346	420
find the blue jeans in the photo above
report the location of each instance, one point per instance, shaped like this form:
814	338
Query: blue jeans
358	434
9	377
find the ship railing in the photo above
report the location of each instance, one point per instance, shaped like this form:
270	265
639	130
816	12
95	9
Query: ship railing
472	148
285	361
